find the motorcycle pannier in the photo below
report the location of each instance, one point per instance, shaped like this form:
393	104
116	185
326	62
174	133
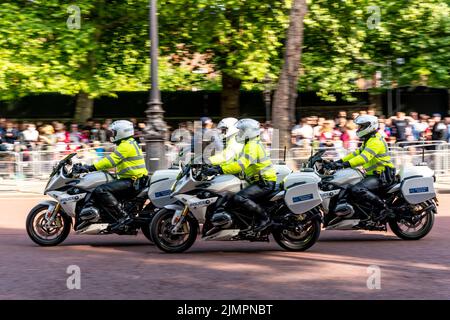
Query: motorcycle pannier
303	197
418	189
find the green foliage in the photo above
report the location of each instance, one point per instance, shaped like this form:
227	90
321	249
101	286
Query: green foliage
241	38
108	53
339	46
39	53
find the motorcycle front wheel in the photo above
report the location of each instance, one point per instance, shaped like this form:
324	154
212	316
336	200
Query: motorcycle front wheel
161	232
44	233
298	240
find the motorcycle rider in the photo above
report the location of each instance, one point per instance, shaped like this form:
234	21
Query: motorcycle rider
373	156
129	162
232	147
256	166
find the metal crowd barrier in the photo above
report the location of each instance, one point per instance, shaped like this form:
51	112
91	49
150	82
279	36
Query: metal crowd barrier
39	164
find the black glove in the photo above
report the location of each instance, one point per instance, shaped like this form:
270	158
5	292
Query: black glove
336	165
214	170
79	168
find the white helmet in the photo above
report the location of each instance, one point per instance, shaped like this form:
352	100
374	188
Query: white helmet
248	129
228	127
366	125
121	129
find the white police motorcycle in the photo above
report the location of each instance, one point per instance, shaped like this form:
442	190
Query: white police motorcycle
196	197
411	196
49	222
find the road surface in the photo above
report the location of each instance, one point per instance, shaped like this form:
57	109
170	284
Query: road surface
127	267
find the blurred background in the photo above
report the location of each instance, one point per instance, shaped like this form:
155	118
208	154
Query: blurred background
305	68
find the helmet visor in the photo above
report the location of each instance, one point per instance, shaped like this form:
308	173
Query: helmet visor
114	134
363	126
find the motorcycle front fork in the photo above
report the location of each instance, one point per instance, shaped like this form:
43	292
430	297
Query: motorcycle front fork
179	218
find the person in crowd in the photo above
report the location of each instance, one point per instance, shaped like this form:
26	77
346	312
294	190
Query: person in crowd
419	127
382	130
75	135
447	122
341	123
399	125
302	133
30	134
317	129
267	133
439	130
2	127
47	137
326	134
11	134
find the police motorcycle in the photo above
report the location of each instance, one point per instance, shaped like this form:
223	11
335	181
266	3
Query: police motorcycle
293	208
49	222
411	196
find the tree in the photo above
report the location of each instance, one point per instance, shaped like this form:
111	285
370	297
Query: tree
42	49
242	39
353	39
285	96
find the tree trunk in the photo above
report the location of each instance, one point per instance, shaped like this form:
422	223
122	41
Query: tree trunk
229	101
376	102
84	108
283	107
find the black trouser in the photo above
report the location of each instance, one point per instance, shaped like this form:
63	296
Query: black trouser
106	195
365	192
245	199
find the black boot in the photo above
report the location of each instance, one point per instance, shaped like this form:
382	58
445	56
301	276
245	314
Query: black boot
263	223
380	210
245	204
381	215
263	218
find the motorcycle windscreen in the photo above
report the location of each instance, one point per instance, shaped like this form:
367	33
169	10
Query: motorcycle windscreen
417	190
302	198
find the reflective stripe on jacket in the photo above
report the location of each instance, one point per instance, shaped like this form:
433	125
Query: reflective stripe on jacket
254	162
373	155
127	159
231	152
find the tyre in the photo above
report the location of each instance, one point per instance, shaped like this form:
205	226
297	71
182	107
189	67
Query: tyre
145	228
298	241
413	231
47	235
160	231
146	231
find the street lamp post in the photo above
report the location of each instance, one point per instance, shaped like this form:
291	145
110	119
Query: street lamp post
156	127
266	94
389	92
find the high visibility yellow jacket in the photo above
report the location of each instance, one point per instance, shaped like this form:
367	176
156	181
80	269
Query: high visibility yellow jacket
127	158
373	155
254	162
231	152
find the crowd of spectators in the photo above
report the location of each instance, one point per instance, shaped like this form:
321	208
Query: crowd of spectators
341	131
56	136
316	131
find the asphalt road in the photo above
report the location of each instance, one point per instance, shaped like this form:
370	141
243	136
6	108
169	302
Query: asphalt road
114	267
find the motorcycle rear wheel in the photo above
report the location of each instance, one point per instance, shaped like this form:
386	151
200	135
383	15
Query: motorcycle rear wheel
160	229
298	241
416	234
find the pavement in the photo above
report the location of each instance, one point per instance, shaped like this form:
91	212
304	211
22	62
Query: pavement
340	266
